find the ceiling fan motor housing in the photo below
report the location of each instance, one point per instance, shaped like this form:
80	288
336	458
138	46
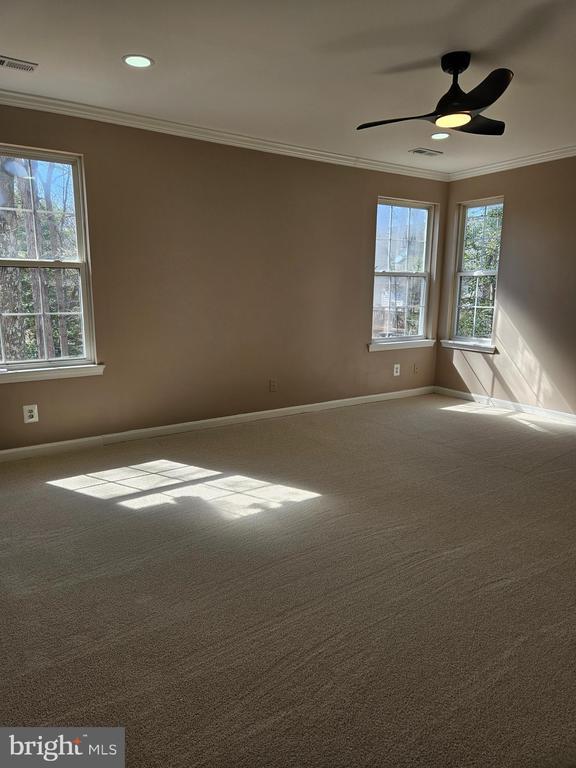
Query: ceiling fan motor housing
455	62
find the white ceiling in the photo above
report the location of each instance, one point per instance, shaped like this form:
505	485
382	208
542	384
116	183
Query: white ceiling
306	72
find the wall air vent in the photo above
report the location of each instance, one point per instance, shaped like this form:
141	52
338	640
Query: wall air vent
424	151
24	66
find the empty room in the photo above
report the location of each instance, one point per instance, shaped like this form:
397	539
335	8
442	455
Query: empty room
288	384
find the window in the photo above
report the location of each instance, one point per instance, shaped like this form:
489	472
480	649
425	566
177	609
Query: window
479	253
45	306
402	270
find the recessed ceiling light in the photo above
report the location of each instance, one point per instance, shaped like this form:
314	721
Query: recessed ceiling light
440	136
137	60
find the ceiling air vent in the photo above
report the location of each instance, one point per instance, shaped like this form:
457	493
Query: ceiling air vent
23	66
424	151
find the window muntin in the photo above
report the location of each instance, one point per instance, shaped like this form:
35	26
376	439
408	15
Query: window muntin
476	278
45	317
402	270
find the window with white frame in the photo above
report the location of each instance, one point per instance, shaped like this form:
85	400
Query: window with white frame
402	270
477	270
45	303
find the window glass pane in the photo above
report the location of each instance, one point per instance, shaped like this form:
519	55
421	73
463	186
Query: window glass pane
492	236
17	238
401	246
418	224
64	335
413	321
53	186
381	291
380	305
63	317
41	313
480	254
398	306
465	324
401	236
37	210
22	337
398	253
19	290
399	223
41	308
15	188
476	306
416	287
61	289
483	324
398	288
482	235
473	240
468	291
383	213
486	291
416	256
56	233
417	240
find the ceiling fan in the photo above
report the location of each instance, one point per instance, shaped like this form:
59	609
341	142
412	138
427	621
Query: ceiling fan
459	110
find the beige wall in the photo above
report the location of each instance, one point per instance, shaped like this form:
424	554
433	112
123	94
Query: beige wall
217	268
535	324
214	269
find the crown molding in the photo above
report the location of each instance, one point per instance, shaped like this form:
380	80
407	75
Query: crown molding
518	162
116	117
103	115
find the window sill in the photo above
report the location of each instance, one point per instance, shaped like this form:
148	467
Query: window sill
387	346
61	372
469	346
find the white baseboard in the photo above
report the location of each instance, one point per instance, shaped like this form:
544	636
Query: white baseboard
98	441
29	451
42	449
507	404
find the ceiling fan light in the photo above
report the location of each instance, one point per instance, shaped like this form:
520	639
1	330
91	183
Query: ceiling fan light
454	120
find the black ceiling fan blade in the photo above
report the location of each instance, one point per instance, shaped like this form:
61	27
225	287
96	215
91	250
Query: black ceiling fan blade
489	90
396	120
483	126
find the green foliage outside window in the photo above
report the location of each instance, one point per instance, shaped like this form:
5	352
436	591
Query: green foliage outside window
480	256
40	306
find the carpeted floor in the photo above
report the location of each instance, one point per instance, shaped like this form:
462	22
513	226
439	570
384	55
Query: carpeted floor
385	585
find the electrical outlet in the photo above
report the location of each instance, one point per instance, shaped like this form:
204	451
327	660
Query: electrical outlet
396	369
273	385
415	369
30	413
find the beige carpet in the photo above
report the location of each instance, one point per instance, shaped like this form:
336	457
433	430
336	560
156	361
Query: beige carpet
385	585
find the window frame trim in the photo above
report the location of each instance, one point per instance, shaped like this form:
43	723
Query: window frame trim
427	275
82	264
472	341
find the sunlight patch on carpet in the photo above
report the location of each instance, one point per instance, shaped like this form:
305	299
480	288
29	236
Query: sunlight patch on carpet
233	496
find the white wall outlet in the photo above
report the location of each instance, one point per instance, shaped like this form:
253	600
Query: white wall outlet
415	369
30	413
396	369
273	385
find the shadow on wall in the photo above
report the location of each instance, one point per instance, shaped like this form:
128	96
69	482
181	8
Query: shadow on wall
515	373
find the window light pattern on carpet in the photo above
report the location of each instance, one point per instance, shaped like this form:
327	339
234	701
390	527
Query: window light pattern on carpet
155	483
